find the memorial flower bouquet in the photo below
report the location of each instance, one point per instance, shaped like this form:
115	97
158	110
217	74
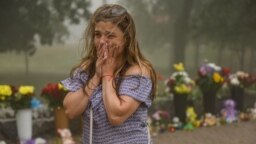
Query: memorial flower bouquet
23	98
241	79
179	82
54	93
160	120
211	77
6	94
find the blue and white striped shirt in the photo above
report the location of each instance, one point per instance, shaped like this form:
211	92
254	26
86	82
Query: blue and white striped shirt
134	129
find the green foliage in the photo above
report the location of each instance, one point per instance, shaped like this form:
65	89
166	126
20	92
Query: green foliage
225	21
22	22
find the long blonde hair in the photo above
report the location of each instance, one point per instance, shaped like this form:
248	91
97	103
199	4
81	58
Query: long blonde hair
132	54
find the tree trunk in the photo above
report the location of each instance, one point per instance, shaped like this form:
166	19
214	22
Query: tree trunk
242	57
237	57
197	54
181	30
252	55
220	50
26	62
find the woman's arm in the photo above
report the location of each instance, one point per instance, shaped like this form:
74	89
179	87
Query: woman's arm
119	108
76	102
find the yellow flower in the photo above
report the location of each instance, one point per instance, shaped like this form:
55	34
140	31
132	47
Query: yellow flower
5	90
179	67
191	114
60	86
217	78
24	90
181	89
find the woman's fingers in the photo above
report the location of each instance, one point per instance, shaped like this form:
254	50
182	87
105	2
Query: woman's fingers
107	52
112	50
100	51
98	48
103	55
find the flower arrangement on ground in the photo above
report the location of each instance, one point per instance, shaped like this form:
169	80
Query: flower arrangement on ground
54	93
24	98
237	83
211	77
241	79
179	82
160	120
6	94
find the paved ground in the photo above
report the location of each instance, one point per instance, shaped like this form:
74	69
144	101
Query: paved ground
236	133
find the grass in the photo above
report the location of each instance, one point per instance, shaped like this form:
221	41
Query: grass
49	64
55	59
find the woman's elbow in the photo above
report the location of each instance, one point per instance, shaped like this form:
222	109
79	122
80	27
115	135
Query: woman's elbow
68	111
115	120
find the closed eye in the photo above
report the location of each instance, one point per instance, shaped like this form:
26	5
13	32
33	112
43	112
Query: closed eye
97	34
111	36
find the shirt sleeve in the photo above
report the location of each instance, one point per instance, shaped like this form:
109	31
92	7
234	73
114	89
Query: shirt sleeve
76	81
137	87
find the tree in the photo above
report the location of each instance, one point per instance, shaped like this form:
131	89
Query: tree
182	30
162	23
231	24
24	22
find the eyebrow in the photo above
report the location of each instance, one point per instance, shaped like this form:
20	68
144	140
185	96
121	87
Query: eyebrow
107	32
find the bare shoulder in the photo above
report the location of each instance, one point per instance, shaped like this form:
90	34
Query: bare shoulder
137	70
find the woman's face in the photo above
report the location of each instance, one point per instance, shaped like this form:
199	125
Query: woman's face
109	34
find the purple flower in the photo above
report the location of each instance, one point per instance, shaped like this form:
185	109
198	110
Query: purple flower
30	141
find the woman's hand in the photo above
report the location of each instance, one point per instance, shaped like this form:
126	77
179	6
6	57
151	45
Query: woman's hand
106	62
101	58
110	63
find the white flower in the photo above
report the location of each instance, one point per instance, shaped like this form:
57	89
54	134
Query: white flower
242	74
214	66
187	80
234	81
156	116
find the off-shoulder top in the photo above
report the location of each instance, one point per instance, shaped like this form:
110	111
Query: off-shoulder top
134	129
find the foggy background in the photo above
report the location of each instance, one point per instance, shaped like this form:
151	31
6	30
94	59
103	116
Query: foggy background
40	41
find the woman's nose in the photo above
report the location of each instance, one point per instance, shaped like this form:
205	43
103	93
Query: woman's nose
103	39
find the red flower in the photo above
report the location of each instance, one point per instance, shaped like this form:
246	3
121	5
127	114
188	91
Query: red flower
54	93
225	71
53	90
